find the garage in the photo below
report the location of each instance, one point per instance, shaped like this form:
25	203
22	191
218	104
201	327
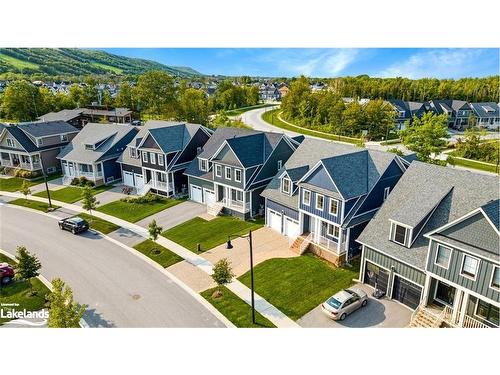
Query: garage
209	197
292	228
139	181
128	179
376	276
406	292
274	220
196	194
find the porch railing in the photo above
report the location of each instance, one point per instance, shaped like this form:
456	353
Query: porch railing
470	322
160	185
237	205
325	242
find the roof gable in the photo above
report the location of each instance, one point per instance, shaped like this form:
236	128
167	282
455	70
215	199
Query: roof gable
226	155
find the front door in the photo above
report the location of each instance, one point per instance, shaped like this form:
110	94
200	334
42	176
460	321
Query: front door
445	294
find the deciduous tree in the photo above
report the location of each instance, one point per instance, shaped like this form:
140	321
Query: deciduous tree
64	312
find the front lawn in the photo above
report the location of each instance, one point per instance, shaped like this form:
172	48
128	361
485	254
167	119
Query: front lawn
297	285
161	255
469	163
35	205
71	194
6	259
99	224
134	212
14	183
209	234
236	310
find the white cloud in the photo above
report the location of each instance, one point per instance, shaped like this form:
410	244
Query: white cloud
447	63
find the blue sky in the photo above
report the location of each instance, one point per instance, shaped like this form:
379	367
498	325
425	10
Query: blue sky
322	62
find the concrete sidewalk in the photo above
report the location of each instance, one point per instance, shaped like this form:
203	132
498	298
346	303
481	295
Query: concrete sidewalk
278	318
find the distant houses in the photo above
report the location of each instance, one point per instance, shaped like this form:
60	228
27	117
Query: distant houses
79	117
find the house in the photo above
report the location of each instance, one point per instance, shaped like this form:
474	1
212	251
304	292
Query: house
158	155
405	111
234	167
269	92
434	245
326	193
458	111
79	117
34	146
94	151
487	114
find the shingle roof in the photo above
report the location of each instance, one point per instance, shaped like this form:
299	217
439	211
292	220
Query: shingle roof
91	134
45	129
480	109
63	115
492	210
421	182
172	137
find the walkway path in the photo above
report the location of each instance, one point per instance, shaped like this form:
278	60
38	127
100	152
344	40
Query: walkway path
278	318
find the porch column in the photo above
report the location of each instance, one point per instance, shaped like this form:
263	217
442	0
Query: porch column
463	310
339	241
348	230
31	162
427	286
10	158
317	226
457	306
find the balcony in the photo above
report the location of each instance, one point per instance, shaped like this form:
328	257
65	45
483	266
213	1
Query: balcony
236	205
163	186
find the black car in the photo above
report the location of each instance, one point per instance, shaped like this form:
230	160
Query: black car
74	224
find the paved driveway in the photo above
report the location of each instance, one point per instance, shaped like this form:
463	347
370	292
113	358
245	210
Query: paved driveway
108	196
175	215
382	313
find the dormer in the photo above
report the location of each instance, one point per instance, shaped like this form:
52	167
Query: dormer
286	185
400	233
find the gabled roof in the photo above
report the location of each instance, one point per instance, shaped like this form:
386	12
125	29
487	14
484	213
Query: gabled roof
172	137
92	134
492	211
63	115
483	109
46	129
463	192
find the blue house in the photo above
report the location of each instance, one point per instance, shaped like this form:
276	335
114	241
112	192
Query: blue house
326	193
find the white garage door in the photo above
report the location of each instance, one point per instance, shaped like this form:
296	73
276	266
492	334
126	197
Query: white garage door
196	194
139	181
274	219
209	197
128	179
292	228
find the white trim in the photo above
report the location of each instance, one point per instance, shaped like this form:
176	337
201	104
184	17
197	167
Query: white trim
491	286
387	191
308	204
145	158
392	233
160	160
451	223
449	258
220	149
226	169
462	267
316	202
236	170
217	166
316	167
152	158
465	250
330	200
489	221
393	257
282	185
200	164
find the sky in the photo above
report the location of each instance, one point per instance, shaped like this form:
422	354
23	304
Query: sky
332	62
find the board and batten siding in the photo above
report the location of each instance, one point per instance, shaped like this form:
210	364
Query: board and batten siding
200	182
394	267
294	214
482	283
325	214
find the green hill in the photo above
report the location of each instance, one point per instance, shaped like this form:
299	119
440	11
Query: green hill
72	61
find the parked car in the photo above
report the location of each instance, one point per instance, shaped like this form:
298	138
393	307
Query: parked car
338	306
74	224
7	273
136	122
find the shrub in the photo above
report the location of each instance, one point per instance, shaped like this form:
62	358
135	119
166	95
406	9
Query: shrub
83	181
75	181
148	198
2	169
89	183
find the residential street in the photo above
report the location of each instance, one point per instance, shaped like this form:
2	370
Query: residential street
253	118
120	289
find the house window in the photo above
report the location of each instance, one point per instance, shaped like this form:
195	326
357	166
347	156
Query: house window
319	202
239	195
306	197
218	170
495	278
11	142
64	137
39	141
399	234
285	185
237	175
443	255
333	231
89	147
133	152
387	190
334	207
144	157
469	266
487	312
198	150
160	160
203	165
228	173
152	156
280	164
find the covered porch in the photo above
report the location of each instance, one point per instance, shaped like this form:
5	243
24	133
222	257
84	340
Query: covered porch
20	160
233	198
73	169
158	180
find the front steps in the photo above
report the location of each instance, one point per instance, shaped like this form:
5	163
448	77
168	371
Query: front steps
423	319
215	209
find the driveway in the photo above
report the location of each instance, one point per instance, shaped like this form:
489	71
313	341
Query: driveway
175	215
120	289
108	196
382	313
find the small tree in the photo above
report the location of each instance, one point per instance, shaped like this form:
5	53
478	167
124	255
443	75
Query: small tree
25	189
89	201
63	311
27	266
222	275
154	230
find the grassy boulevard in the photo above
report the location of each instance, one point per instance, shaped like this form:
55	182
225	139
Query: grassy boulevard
71	194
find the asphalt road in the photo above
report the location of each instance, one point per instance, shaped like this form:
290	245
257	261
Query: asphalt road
253	118
121	289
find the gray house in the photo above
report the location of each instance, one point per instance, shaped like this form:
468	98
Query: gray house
34	146
405	110
434	246
234	167
458	111
326	193
487	114
94	151
158	155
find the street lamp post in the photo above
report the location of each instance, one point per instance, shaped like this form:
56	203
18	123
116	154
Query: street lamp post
46	183
230	246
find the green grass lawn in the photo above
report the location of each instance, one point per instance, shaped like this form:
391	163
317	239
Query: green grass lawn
71	194
209	233
236	310
134	212
271	117
469	163
17	63
14	183
40	206
98	224
6	259
164	258
297	285
110	68
239	111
